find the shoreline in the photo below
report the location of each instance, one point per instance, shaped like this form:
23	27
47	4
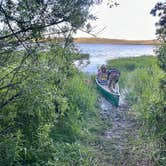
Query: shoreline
115	41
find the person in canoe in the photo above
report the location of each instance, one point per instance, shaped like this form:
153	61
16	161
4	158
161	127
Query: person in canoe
113	78
102	75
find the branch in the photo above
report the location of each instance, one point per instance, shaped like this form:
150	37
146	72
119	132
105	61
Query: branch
31	28
10	99
9	85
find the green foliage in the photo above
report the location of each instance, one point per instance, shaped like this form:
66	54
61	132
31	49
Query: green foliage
81	111
146	100
73	154
160	106
35	17
40	121
159	10
80	91
162	56
132	63
83	56
49	122
127	65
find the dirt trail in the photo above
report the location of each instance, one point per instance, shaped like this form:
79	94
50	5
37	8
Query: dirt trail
117	138
120	144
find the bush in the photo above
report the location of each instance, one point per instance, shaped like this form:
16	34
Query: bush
48	123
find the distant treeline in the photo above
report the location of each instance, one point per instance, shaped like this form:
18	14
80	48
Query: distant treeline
105	41
115	41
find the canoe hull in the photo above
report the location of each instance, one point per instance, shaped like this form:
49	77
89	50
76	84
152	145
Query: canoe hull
111	97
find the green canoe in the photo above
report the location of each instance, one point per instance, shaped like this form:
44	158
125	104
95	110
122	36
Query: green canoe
113	97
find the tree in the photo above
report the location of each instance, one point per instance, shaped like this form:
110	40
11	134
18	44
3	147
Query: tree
24	22
160	11
33	98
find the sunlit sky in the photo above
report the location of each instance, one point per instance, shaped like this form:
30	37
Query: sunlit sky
130	20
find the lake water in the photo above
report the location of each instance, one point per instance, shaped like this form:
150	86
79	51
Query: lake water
100	53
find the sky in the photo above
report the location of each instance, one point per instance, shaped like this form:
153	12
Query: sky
130	20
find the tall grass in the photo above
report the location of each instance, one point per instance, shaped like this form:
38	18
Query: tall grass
141	78
127	65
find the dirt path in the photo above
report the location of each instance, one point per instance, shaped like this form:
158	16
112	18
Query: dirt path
118	137
120	144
